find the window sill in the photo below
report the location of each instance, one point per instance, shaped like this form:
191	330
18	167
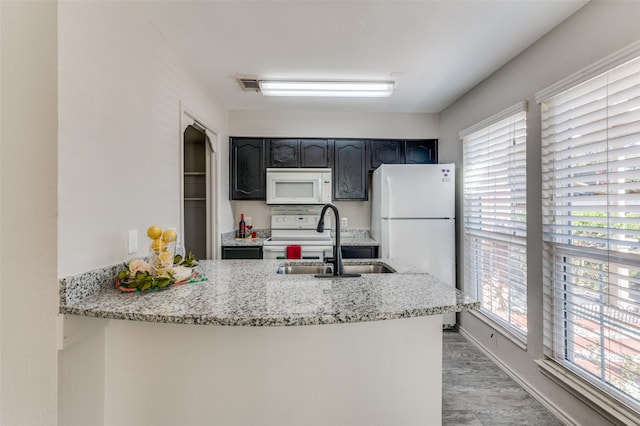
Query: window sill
496	326
609	407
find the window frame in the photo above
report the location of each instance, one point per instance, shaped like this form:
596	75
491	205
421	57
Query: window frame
514	117
557	297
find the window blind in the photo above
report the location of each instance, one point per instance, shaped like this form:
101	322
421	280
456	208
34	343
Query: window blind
591	226
495	228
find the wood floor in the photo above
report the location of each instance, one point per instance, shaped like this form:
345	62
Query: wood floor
477	393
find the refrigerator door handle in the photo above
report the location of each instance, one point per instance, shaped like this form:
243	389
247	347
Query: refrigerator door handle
387	205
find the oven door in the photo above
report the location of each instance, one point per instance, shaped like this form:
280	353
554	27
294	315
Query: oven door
308	252
274	252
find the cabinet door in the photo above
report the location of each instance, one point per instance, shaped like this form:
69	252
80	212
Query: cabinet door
242	252
350	177
314	153
386	152
284	153
247	170
421	152
359	252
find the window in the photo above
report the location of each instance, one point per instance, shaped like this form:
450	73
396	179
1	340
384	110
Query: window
591	225
495	209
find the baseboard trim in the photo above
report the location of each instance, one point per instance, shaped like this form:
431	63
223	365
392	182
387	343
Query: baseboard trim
548	404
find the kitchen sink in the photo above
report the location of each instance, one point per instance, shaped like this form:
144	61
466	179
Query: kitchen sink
371	268
361	268
305	269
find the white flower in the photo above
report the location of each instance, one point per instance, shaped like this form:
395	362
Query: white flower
181	273
138	265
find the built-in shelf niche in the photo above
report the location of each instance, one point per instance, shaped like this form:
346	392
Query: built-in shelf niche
195	191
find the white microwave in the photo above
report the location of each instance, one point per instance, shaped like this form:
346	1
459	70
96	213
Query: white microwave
298	186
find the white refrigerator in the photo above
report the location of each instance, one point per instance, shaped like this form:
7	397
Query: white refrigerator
413	218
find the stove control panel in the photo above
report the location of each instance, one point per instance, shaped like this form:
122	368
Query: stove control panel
301	221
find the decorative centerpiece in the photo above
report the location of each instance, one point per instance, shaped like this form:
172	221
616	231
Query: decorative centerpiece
164	268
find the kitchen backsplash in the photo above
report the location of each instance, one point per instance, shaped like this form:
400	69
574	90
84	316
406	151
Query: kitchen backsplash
260	233
358	213
266	233
353	233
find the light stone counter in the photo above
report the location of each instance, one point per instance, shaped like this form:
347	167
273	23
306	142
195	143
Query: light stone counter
348	237
251	293
341	364
358	241
243	242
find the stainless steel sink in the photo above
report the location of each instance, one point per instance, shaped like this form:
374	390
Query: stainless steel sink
305	269
367	268
373	268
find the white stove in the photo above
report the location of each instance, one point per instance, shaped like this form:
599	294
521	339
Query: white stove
298	230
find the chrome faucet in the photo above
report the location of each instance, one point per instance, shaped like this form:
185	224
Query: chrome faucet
336	261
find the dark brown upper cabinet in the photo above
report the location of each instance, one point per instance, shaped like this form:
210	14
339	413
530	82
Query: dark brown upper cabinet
298	153
421	151
385	152
283	152
350	177
350	159
315	153
247	169
391	151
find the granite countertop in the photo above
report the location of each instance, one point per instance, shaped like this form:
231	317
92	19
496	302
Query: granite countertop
350	237
357	241
251	293
243	242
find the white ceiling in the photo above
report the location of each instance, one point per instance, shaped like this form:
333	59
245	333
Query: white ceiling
434	50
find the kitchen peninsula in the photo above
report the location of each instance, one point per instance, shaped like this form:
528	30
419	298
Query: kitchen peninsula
251	346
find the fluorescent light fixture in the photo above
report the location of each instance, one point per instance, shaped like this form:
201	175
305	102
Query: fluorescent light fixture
357	89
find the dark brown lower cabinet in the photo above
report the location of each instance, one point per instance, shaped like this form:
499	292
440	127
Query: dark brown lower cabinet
359	252
234	252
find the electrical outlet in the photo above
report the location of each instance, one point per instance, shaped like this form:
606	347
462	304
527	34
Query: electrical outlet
344	222
133	241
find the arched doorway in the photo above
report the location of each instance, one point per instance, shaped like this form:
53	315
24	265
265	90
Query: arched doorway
199	167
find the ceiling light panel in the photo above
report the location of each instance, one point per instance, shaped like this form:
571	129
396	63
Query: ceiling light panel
327	88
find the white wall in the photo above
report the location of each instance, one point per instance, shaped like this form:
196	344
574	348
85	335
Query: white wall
120	95
28	199
120	92
314	124
594	32
332	124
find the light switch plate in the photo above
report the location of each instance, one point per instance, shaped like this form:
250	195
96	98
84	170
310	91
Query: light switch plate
60	333
344	222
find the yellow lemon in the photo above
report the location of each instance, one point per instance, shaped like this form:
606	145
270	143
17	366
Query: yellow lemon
154	232
169	235
165	258
158	245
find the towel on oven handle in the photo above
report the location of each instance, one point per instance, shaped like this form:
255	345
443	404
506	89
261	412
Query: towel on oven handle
294	252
